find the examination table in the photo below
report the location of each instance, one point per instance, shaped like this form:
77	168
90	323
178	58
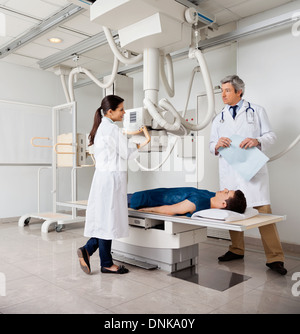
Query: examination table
168	242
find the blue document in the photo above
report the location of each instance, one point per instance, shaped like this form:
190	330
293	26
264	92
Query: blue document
247	162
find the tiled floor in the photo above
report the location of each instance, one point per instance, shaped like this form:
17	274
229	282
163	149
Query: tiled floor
40	274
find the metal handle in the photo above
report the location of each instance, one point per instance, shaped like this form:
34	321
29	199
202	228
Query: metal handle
34	138
69	144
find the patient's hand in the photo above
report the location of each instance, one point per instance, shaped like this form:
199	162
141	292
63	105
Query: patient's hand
156	209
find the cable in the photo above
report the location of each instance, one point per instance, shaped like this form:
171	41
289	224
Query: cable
116	52
279	155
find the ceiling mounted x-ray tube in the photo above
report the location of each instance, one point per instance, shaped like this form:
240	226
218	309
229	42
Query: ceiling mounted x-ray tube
151	74
152	108
151	91
182	131
165	104
151	88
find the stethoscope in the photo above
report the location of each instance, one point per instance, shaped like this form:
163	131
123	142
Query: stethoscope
249	116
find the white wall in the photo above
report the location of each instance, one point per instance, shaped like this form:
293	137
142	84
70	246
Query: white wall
18	191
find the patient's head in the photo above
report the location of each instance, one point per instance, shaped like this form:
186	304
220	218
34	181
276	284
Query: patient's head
230	200
237	203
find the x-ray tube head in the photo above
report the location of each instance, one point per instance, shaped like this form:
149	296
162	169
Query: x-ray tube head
135	118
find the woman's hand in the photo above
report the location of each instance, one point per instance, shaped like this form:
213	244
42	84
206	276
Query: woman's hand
146	133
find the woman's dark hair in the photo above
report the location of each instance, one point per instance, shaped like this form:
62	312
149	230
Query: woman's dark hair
237	203
108	102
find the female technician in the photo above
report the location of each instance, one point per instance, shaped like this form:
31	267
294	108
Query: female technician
250	121
107	211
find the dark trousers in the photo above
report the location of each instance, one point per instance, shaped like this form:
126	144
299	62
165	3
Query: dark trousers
104	247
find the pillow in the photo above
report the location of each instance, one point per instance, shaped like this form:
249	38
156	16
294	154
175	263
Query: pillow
224	215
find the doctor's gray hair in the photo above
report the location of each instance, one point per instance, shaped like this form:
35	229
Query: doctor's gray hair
237	83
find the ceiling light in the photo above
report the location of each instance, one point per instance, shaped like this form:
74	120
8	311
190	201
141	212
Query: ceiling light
55	40
87	44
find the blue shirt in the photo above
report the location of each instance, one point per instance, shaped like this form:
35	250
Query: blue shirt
169	196
239	104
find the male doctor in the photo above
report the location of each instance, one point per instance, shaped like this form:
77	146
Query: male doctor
239	117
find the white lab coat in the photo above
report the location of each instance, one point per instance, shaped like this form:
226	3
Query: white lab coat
257	189
107	212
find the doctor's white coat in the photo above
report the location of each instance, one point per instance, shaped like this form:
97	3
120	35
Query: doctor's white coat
107	212
257	189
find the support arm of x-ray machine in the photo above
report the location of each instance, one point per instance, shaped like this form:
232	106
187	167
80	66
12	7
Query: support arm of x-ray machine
160	115
152	60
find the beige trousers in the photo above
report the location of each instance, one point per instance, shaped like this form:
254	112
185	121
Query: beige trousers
269	237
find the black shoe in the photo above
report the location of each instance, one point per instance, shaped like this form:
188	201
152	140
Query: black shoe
121	270
84	263
230	256
277	266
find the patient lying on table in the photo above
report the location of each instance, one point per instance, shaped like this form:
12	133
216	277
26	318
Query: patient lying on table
186	200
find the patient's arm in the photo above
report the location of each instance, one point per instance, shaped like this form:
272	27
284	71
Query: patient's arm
176	209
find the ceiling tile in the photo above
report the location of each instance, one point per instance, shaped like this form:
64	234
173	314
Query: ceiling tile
225	16
211	6
252	7
21	60
36	8
229	3
57	3
36	51
69	38
17	24
103	52
82	23
4	40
